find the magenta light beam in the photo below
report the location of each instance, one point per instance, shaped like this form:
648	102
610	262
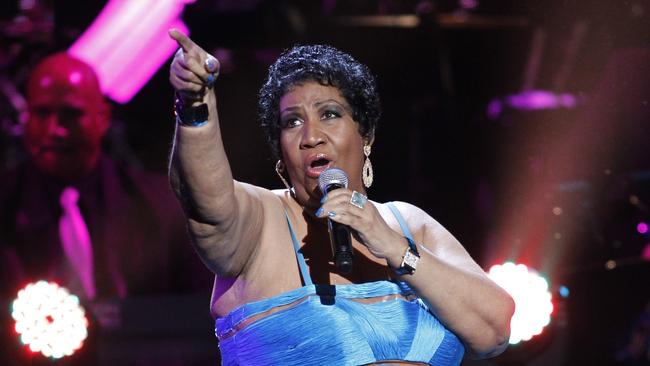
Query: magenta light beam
128	43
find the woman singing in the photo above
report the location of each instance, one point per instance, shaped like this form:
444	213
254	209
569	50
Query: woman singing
413	294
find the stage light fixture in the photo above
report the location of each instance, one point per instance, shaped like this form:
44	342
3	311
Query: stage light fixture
49	319
530	291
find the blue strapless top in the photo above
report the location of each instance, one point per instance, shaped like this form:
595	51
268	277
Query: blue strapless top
351	324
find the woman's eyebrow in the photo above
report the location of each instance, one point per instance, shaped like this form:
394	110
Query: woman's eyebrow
290	109
321	102
346	107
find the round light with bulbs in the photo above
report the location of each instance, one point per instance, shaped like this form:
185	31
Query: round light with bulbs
49	319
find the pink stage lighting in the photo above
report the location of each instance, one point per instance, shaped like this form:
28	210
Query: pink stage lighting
645	255
128	43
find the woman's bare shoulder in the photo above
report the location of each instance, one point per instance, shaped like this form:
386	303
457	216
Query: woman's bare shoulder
281	193
415	217
264	195
434	237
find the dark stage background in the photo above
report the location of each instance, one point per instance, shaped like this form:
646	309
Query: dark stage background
493	179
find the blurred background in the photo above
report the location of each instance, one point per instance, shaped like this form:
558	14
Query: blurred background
522	126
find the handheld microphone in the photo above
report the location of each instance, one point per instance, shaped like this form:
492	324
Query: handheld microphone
340	239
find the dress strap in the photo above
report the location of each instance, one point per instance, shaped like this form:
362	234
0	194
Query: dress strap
406	289
400	219
301	258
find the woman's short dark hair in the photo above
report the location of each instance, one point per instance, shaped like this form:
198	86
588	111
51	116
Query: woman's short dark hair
328	66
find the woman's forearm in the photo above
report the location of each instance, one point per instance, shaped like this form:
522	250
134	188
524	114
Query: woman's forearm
458	292
199	171
470	304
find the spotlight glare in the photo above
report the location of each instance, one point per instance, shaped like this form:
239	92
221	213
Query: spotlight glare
49	319
533	301
645	255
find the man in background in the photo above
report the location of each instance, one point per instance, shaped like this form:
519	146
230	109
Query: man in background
72	215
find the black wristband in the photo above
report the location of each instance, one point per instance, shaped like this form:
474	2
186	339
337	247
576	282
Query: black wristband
191	116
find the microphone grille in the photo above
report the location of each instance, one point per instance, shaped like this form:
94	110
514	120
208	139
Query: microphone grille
332	176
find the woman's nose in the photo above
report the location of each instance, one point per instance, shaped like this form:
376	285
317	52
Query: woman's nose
312	135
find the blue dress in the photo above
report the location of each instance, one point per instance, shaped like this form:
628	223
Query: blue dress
351	324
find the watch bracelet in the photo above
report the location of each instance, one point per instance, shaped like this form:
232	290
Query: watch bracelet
192	116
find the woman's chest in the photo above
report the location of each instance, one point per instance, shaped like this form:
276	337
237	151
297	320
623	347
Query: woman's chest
277	269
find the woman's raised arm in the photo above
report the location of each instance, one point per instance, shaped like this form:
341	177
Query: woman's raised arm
224	216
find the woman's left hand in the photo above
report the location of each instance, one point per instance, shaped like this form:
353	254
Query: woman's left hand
367	224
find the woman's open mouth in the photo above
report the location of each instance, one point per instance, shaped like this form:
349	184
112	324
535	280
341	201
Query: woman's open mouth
318	165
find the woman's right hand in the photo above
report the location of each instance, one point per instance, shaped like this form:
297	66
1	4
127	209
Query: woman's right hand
193	70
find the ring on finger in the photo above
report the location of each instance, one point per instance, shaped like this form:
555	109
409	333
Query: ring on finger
210	64
358	199
209	82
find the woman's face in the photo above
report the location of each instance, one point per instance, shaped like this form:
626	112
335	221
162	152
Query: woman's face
317	133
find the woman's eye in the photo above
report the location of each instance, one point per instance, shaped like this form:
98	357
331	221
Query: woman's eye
331	114
291	122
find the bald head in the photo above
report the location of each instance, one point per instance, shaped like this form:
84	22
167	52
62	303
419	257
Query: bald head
68	117
62	73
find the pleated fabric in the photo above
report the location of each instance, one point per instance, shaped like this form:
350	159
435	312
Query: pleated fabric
333	325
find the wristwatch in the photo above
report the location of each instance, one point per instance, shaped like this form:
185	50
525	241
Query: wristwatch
192	116
410	259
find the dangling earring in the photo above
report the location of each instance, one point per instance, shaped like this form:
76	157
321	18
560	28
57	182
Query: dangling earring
279	168
367	173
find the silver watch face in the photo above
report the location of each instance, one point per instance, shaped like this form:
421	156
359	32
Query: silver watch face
411	259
